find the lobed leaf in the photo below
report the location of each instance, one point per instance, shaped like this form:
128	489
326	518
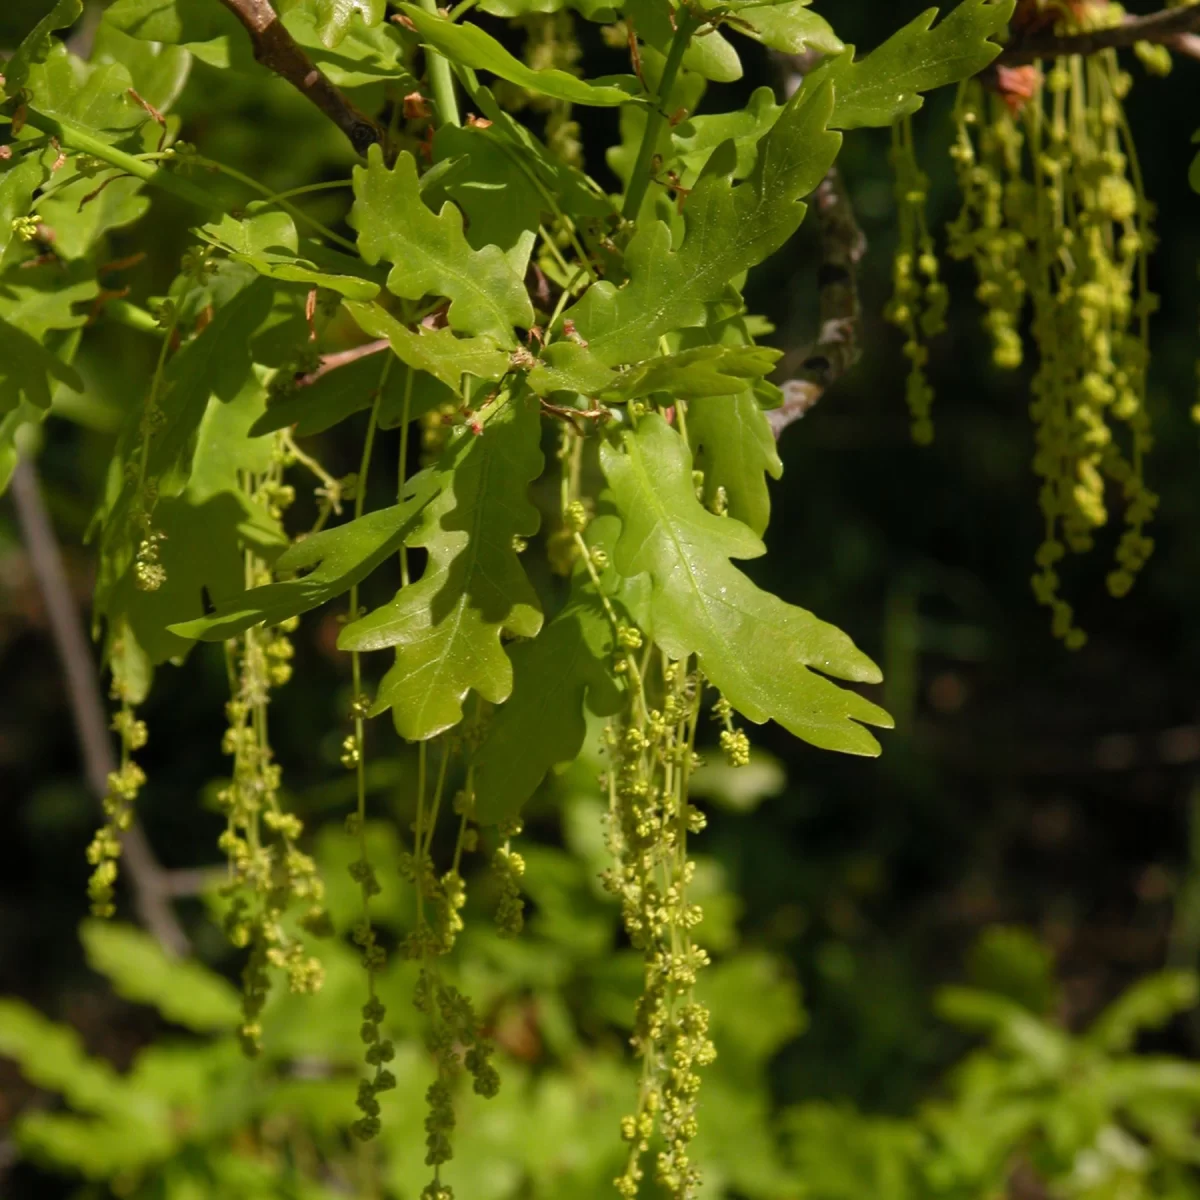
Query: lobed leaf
334	559
760	652
446	628
728	229
542	725
431	253
888	83
436	352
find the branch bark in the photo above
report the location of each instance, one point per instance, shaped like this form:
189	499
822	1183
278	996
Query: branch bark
342	358
1173	27
152	886
278	51
837	347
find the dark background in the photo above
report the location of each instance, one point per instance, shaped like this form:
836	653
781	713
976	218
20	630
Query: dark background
1023	784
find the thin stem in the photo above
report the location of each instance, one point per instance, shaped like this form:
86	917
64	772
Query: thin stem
441	78
639	180
405	418
74	138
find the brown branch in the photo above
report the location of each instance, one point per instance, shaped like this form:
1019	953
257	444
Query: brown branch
1174	27
837	347
278	51
152	886
343	358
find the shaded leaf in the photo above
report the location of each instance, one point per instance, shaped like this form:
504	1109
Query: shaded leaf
334	559
38	43
542	724
757	650
702	371
26	369
431	254
446	627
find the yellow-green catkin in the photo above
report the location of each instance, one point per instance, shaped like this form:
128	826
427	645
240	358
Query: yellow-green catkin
275	892
121	793
1055	215
651	752
919	297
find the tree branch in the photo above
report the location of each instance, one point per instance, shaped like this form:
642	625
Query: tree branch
278	51
152	886
837	348
342	358
1174	27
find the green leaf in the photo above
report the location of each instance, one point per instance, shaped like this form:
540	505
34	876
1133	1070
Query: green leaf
695	139
38	299
334	561
19	179
26	369
888	83
446	627
728	229
436	352
366	54
38	43
1148	1004
95	99
569	367
209	31
334	17
702	371
184	992
470	46
735	448
710	56
431	254
542	725
52	1057
207	529
757	650
267	242
790	27
341	393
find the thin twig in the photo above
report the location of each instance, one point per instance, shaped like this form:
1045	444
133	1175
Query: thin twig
837	347
1174	27
152	885
343	358
278	51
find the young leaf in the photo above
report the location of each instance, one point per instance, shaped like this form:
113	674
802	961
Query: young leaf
756	649
431	253
888	83
436	352
446	627
791	27
728	229
470	46
542	724
335	560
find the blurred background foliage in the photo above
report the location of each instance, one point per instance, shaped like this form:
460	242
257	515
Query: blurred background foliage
938	975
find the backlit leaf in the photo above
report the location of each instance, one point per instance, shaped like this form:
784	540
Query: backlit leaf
334	561
760	652
446	627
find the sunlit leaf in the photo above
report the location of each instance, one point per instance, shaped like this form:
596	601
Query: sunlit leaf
446	628
760	653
